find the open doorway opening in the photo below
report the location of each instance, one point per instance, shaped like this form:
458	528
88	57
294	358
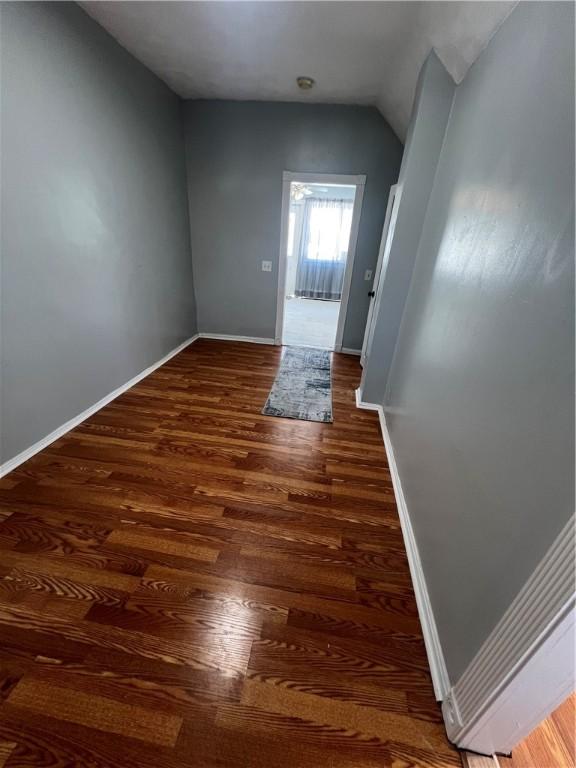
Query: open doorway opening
319	228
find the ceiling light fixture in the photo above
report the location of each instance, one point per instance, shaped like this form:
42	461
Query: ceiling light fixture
305	83
299	191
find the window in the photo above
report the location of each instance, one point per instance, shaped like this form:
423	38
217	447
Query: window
328	230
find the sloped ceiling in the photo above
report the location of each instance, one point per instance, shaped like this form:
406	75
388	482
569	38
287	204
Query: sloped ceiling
358	52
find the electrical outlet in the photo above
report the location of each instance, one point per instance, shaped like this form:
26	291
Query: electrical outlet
266	266
368	275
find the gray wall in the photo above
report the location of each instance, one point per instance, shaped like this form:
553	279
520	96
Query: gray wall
481	398
96	265
237	152
432	104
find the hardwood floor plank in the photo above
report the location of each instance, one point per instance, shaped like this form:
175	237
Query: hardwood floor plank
304	661
28	580
369	722
98	712
155	685
285	599
230	658
183	548
402	642
65	568
159	614
564	719
6	749
47	741
361	750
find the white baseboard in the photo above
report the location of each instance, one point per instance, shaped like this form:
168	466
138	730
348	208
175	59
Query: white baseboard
350	351
26	454
436	660
226	337
472	760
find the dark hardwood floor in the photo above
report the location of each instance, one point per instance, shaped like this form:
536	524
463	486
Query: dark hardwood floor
185	582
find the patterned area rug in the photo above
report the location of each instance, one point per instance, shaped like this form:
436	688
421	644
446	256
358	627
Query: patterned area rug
303	386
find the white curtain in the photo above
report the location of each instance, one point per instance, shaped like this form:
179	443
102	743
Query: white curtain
323	248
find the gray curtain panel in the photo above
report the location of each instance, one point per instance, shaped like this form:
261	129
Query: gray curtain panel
323	248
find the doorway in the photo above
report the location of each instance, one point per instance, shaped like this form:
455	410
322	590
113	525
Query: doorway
320	217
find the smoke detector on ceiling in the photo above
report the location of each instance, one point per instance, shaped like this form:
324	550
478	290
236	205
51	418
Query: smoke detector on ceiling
305	83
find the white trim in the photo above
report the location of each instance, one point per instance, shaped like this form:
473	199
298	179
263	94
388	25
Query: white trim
288	177
350	351
436	660
282	260
11	464
228	337
472	760
526	666
325	178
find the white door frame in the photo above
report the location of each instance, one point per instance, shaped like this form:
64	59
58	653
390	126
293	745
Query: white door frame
288	177
378	273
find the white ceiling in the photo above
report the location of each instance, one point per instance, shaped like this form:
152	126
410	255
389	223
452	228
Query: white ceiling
358	52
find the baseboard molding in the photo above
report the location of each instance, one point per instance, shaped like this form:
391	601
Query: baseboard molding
11	464
436	661
227	337
264	340
472	760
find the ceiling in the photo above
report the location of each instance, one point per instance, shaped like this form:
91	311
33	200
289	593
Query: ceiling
358	52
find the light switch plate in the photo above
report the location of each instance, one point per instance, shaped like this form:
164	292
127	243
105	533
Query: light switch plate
368	275
266	266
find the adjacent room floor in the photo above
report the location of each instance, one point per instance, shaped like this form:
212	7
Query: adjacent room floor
552	744
185	582
310	322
